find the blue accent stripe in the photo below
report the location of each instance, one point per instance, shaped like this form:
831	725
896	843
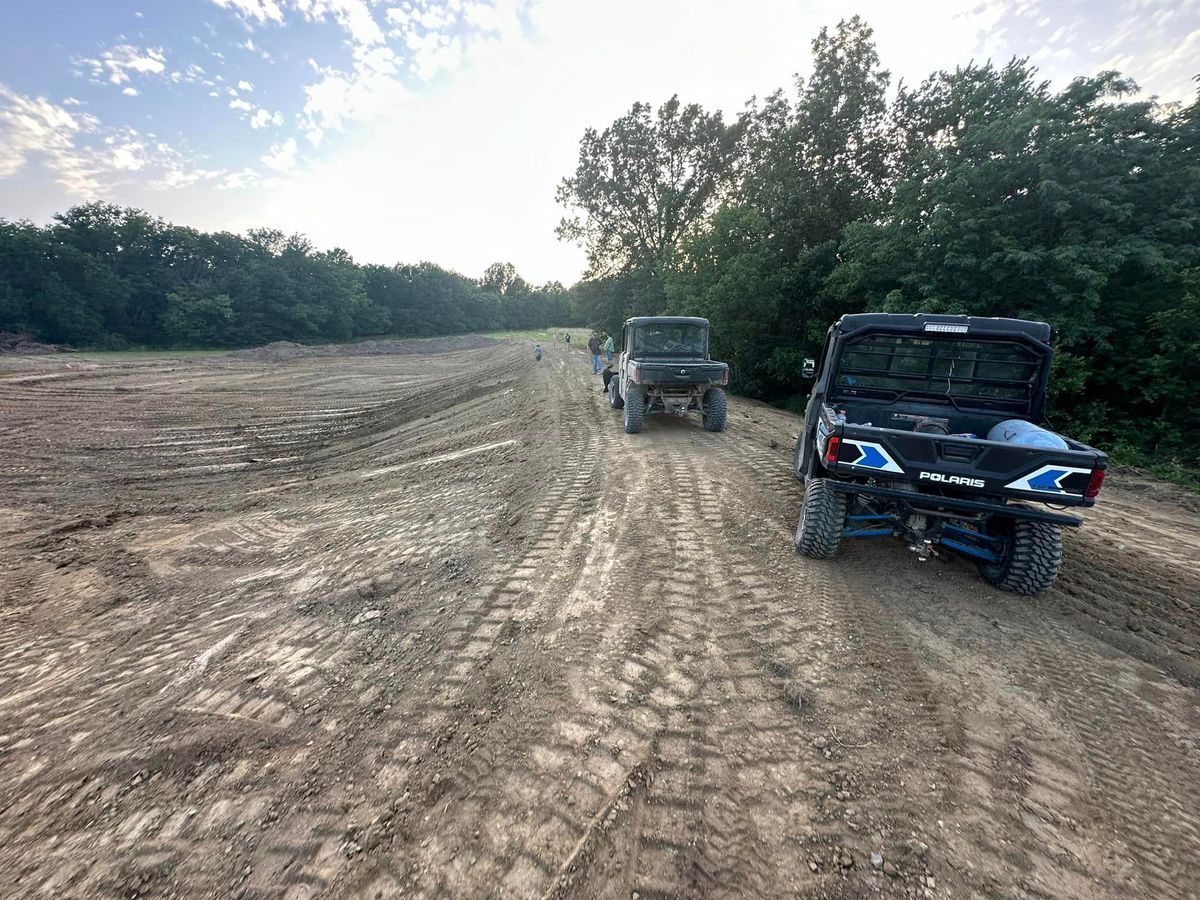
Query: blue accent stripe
1048	480
871	458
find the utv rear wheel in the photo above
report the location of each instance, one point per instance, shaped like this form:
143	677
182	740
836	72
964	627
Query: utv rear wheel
614	396
1030	558
822	518
714	409
635	411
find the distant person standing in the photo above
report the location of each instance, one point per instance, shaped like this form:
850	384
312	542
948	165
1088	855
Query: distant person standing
567	335
594	349
556	337
537	353
609	347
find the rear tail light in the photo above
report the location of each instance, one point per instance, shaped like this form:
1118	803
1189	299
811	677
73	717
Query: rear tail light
831	449
1094	484
637	374
725	376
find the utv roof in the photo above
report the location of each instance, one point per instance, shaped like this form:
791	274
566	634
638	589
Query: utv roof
918	322
667	320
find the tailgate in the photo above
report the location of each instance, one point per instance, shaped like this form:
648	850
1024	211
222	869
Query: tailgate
968	465
682	372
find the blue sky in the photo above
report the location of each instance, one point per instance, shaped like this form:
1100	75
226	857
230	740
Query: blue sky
404	130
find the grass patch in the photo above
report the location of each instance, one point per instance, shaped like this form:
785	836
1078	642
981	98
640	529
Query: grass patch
149	354
544	336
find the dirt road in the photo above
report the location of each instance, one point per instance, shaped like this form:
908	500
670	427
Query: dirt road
429	624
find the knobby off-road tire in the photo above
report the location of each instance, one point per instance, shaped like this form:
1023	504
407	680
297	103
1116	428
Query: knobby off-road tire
822	518
1032	558
614	396
715	404
635	411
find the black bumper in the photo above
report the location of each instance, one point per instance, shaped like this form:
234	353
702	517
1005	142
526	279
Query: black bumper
932	503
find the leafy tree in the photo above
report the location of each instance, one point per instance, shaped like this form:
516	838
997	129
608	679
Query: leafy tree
191	320
811	166
730	275
103	276
644	182
1071	207
822	161
981	191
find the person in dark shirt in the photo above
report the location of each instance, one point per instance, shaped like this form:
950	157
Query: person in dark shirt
594	349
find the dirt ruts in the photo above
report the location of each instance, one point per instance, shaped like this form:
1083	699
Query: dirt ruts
424	621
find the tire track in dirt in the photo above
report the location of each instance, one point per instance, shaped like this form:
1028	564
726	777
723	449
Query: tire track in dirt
597	665
472	683
303	666
709	715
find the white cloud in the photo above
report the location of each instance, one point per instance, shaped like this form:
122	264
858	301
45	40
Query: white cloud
1171	73
367	92
85	157
245	86
130	92
502	18
282	156
237	180
240	104
33	125
192	74
434	53
256	10
116	63
179	177
129	156
353	16
263	118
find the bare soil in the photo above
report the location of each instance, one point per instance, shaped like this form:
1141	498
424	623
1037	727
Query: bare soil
429	624
25	345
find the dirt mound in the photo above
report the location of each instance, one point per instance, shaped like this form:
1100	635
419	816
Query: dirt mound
280	351
11	342
1137	482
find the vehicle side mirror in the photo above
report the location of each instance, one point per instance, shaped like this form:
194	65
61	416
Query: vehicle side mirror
809	369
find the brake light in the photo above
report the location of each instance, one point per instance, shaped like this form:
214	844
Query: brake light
637	374
725	376
831	449
1094	484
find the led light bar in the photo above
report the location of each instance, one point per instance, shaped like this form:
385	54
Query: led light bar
946	327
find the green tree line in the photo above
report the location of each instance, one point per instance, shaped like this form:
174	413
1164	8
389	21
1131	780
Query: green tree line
981	191
101	276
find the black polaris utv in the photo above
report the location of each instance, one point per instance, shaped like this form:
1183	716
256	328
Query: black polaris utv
664	367
928	428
